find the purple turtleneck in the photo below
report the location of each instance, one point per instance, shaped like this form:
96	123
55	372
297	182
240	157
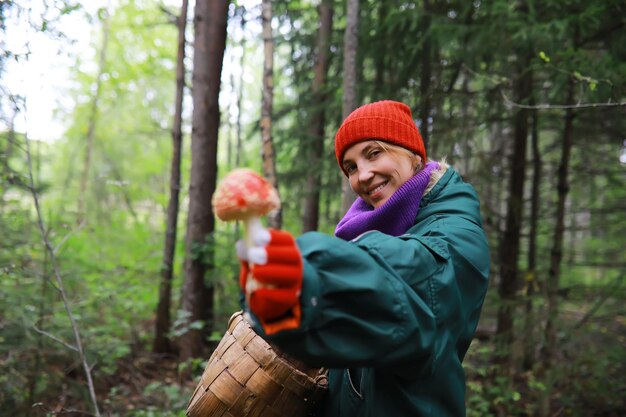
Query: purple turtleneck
394	217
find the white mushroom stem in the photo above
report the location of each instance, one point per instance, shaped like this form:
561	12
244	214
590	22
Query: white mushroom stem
252	226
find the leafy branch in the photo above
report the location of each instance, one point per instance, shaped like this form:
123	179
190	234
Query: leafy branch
56	339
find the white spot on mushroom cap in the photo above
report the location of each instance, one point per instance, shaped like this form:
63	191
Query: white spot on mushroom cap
244	193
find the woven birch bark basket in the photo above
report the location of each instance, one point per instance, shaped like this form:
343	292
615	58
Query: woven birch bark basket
247	377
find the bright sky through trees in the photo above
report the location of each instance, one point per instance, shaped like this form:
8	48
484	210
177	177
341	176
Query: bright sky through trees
40	71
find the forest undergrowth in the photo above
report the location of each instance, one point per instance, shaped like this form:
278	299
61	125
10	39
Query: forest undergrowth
525	99
589	379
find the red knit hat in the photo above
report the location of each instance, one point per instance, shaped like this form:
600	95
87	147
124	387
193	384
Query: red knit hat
388	121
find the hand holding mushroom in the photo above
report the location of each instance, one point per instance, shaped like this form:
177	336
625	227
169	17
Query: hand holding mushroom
271	264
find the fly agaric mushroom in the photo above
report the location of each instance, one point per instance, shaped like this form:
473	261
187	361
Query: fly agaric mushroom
245	195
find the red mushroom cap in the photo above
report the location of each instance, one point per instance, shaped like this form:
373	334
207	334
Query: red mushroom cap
242	194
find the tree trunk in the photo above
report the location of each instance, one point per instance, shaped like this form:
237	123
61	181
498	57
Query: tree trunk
556	254
350	47
239	144
197	298
510	242
380	89
267	149
7	174
7	152
238	150
549	352
573	234
317	122
163	320
425	75
531	274
93	115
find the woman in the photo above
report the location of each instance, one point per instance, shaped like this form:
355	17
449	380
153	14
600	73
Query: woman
390	304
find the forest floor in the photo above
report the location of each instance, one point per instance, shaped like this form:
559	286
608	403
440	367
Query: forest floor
589	380
590	385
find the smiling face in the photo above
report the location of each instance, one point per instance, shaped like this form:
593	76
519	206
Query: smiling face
376	171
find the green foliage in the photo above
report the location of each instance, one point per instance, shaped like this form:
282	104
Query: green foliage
111	263
488	394
158	399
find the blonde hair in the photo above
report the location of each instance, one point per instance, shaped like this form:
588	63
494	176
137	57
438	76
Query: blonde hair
399	151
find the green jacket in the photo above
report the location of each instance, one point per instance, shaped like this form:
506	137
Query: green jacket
399	312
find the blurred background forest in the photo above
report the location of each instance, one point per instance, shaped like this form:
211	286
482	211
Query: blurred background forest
115	279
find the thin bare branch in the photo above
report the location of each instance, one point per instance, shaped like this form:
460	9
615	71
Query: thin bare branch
172	18
63	411
59	279
600	301
511	103
56	339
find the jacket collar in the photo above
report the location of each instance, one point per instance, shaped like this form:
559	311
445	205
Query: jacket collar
436	175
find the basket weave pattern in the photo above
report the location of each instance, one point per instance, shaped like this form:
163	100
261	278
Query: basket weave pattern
246	377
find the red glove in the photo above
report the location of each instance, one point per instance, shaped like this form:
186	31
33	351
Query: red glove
271	277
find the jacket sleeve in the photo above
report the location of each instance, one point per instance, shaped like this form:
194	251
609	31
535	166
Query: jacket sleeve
368	302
